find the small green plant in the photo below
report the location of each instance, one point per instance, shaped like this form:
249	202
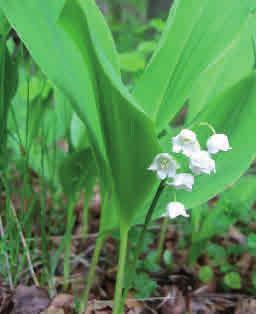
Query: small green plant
206	274
233	280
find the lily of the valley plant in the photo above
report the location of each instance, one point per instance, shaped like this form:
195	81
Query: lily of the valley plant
199	162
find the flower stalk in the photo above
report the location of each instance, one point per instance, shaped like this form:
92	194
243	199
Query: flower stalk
140	242
91	275
118	300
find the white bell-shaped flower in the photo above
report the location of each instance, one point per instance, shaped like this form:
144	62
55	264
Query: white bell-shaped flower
218	142
164	165
201	162
183	181
175	209
185	142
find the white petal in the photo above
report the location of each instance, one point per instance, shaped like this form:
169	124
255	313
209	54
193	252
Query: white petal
176	145
185	142
162	174
171	173
218	142
191	148
153	166
201	162
188	135
164	165
175	209
183	181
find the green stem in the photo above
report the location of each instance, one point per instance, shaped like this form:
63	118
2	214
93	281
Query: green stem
68	239
43	214
3	105
118	308
141	239
85	219
96	254
160	246
208	125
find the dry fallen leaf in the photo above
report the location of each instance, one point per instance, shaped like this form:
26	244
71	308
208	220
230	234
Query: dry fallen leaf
53	310
61	304
5	299
246	306
174	304
102	307
30	300
63	300
133	306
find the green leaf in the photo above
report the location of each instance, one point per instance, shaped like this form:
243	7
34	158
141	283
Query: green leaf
144	285
168	258
78	133
236	61
8	84
122	137
216	222
147	47
132	61
217	254
196	35
243	191
150	262
254	279
4	25
100	33
78	171
251	243
206	274
233	280
60	60
232	113
129	136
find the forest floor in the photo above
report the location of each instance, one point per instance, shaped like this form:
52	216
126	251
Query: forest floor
177	290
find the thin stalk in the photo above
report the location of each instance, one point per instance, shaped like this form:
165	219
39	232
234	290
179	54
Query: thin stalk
10	205
25	246
8	268
68	240
91	274
85	218
209	126
164	229
141	239
118	304
43	209
27	124
3	105
160	246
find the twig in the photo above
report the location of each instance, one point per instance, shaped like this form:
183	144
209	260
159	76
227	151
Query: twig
6	256
139	299
24	243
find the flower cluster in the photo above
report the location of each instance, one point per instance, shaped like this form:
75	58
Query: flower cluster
200	162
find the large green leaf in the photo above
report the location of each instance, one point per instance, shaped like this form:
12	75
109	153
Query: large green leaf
197	34
77	171
8	84
129	135
59	59
233	113
76	63
235	63
243	191
4	25
78	134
